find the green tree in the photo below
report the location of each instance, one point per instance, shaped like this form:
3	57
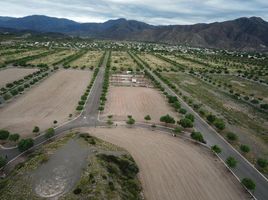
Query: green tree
25	144
130	121
147	118
36	129
211	118
14	137
4	134
183	111
167	119
262	162
186	123
219	123
49	133
248	183
244	148
190	117
198	137
177	130
231	136
216	149
231	162
3	161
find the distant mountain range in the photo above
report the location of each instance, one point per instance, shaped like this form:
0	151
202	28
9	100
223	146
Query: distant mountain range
243	33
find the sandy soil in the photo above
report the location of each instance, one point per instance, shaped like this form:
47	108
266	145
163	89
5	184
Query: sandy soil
91	58
171	168
53	99
12	74
121	59
154	61
138	102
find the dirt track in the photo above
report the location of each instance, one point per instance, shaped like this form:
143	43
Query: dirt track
171	168
138	102
53	99
12	74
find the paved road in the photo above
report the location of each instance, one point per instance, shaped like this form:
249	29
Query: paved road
244	168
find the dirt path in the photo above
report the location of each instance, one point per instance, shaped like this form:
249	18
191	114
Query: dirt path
171	168
138	102
12	74
53	99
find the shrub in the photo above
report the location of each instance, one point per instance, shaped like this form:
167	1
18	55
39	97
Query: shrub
167	119
3	161
130	121
216	149
244	148
248	183
263	163
198	137
147	117
183	111
36	129
49	133
219	123
14	137
77	191
7	96
4	134
231	162
79	108
231	136
190	117
211	118
186	123
25	144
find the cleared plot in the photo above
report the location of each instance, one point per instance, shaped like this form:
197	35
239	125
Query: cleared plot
138	102
20	55
91	58
13	74
54	99
55	57
244	120
154	61
122	61
173	168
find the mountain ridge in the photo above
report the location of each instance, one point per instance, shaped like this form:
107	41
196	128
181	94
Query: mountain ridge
242	33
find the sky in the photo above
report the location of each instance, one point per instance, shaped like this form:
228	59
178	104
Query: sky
156	12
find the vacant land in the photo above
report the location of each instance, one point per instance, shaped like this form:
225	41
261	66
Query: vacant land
90	59
173	168
54	99
53	58
122	61
21	55
138	102
248	123
155	62
12	74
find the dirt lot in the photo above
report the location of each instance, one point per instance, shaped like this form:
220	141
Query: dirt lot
171	168
12	74
54	99
138	102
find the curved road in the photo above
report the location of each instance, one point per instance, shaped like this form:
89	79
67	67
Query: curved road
89	118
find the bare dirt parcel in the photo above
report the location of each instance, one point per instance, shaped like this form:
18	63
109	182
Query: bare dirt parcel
53	99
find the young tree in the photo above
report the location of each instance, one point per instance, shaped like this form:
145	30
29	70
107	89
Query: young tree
231	162
216	149
248	183
219	123
244	148
231	136
183	111
186	123
4	134
198	137
147	118
177	130
211	118
130	121
25	144
262	162
14	137
167	119
190	117
49	133
36	129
